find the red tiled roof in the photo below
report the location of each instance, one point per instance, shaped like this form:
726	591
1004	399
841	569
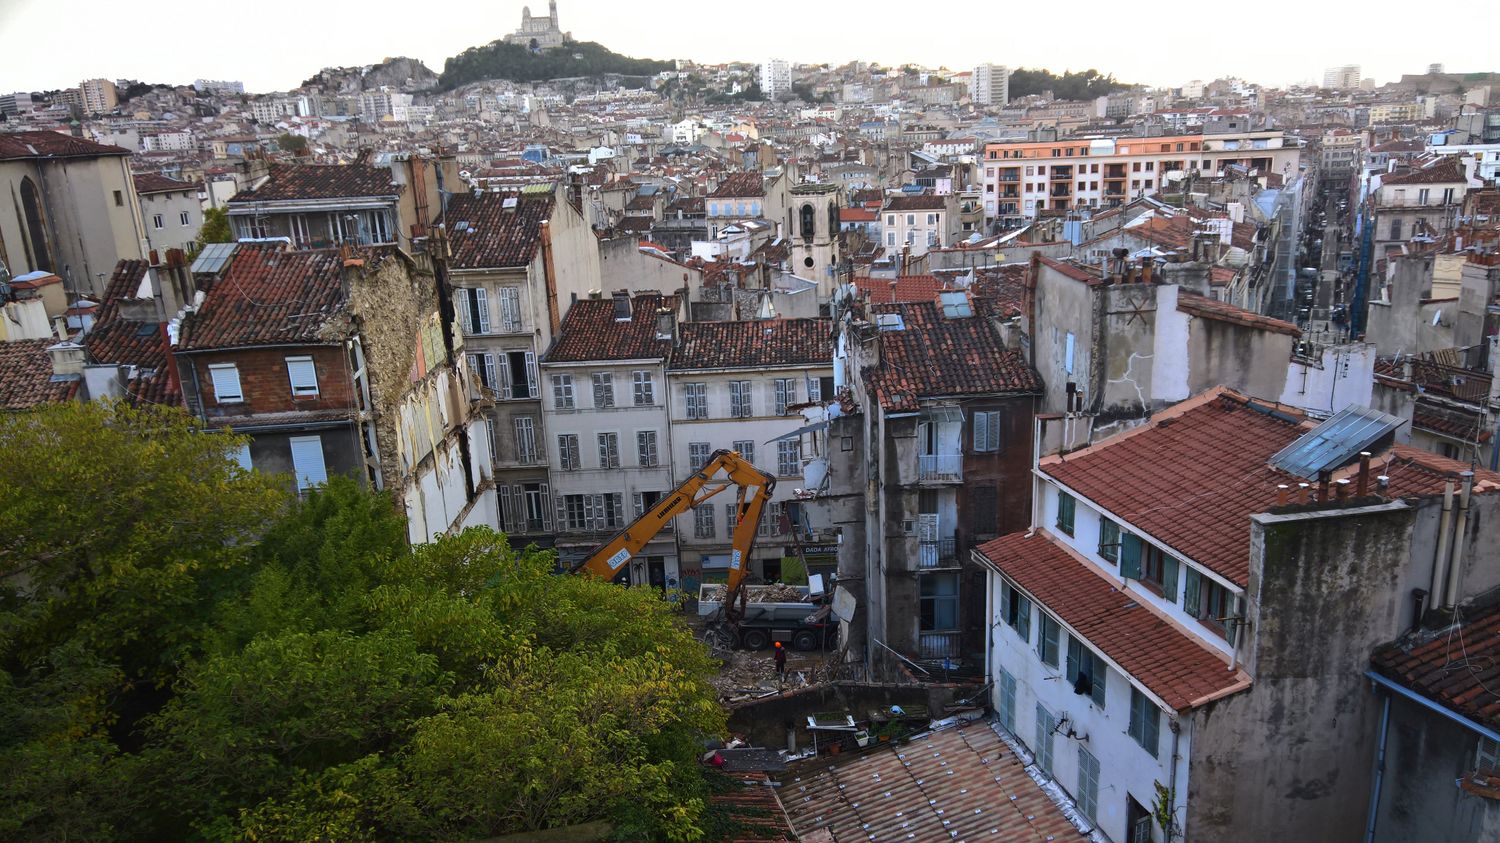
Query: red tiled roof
124	342
1003	288
18	145
1449	168
740	184
1072	270
922	202
751	807
1207	308
962	783
320	181
934	356
1462	426
635	225
760	344
858	215
268	296
1154	651
1458	668
26	376
590	331
484	234
1190	479
907	288
158	183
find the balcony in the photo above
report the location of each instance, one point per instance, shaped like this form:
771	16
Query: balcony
1061	190
940	468
1114	191
937	554
937	645
1010	193
1012	177
1113	172
1062	173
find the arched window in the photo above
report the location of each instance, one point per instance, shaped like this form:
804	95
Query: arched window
807	220
36	226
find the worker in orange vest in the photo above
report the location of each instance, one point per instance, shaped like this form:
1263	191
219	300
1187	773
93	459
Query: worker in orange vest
780	660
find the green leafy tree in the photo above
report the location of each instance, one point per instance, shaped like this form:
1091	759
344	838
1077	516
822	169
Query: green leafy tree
295	144
215	228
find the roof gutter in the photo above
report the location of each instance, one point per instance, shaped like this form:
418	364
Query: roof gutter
1433	705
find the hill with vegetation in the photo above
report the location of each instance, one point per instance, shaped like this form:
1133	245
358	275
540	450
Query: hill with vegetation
1071	85
513	62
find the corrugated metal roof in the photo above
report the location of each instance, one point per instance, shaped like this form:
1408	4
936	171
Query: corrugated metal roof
1335	442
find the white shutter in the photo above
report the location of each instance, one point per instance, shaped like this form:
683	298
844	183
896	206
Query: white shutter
592	505
510	309
546	495
505	507
482	307
303	375
518	497
226	380
505	384
993	441
241	455
927	527
489	371
461	303
637	504
562	514
532	390
981	431
307	461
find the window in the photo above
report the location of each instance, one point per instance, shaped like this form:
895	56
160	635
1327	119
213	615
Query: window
703	521
1487	755
226	381
157	223
518	375
526	450
932	219
698	455
1422	196
567	451
890	238
739	399
911	219
1016	610
1145	721
1065	508
1068	342
1007	703
510	310
890	219
1109	540
646	452
562	392
303	376
1150	564
1088	783
241	455
987	431
307	461
609	450
786	394
184	218
643	388
1215	606
576	511
604	390
483	365
474	306
1045	724
696	395
1086	671
119	199
746	449
939	602
1396	229
609	511
1047	639
788	458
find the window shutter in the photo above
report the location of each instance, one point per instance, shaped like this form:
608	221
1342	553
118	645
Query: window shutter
461	304
1075	654
532	390
1169	578
489	372
1190	589
993	440
307	461
543	497
637	504
981	431
505	384
927	527
505	506
591	511
482	309
226	379
562	513
1130	556
303	375
518	498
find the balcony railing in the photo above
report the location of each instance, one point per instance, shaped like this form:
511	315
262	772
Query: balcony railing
937	645
936	554
1010	178
1061	175
940	467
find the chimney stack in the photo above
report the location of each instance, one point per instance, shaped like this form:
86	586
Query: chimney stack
1363	488
1283	491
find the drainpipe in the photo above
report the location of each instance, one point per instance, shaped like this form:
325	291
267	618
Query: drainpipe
1455	569
1176	726
989	625
1440	561
1377	779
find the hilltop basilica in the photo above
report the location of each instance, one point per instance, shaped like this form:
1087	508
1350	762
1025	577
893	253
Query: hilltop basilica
540	32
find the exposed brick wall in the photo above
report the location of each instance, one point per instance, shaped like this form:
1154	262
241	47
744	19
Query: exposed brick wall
265	384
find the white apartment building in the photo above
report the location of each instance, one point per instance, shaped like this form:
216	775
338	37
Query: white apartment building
171	210
776	78
920	222
608	439
736	385
168	142
989	84
1345	77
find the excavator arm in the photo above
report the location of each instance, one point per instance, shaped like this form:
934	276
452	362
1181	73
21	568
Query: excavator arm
754	489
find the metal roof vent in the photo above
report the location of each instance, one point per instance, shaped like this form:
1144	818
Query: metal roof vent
1337	441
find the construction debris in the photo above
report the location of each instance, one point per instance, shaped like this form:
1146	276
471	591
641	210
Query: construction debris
776	593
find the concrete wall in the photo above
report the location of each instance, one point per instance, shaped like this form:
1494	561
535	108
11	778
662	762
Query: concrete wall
1425	755
1250	360
1293	754
92	218
625	267
1062	306
1403	322
1339	376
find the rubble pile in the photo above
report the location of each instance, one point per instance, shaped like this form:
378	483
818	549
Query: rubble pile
758	593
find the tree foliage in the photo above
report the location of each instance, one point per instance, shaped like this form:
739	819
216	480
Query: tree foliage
288	142
499	60
215	228
1071	85
189	657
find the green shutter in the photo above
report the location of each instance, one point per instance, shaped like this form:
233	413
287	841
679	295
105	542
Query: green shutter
1169	579
1075	655
1130	556
1191	587
1100	673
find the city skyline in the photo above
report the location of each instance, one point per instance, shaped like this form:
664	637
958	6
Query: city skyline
46	55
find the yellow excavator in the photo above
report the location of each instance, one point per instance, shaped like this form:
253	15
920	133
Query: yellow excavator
754	490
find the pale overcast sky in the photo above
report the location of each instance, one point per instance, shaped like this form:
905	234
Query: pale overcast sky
275	44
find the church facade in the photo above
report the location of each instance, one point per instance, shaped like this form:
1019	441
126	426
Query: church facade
541	33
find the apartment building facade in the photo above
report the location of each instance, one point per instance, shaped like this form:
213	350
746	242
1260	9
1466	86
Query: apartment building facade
919	223
171	211
1420	202
1022	180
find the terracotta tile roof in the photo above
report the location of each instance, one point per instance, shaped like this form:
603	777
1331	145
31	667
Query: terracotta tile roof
1003	287
934	356
1459	668
907	288
760	344
320	181
144	345
635	225
858	215
1463	426
1071	270
750	805
267	297
736	185
1449	168
158	183
961	783
1400	145
590	332
1207	308
19	145
26	376
921	202
1190	479
641	203
1154	651
484	234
